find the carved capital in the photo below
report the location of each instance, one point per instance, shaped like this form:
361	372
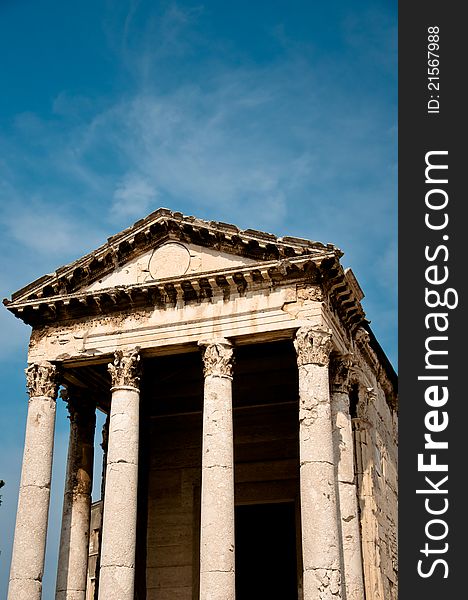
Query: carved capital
367	401
125	370
218	357
362	336
42	380
81	409
313	346
341	370
363	341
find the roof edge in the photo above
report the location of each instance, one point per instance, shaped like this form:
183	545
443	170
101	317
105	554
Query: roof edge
120	246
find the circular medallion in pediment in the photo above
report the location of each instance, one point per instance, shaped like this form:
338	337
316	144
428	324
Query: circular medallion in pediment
170	260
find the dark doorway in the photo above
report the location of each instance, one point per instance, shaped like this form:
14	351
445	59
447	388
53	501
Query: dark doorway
266	552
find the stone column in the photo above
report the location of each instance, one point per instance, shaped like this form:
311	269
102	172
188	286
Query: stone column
217	567
117	572
320	533
27	564
347	488
74	540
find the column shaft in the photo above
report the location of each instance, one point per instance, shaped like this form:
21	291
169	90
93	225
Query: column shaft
27	564
217	556
74	540
347	489
320	533
117	570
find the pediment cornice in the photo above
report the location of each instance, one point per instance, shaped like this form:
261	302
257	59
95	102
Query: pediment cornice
156	229
268	261
324	271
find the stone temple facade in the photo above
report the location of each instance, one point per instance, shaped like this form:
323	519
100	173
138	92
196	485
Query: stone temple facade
250	446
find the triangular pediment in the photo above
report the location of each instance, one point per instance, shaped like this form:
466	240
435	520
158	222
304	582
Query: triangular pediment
168	244
168	260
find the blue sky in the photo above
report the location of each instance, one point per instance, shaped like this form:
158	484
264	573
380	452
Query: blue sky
279	116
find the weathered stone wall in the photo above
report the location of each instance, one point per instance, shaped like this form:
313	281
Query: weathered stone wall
376	460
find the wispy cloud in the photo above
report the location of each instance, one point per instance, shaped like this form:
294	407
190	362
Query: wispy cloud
41	228
133	197
243	139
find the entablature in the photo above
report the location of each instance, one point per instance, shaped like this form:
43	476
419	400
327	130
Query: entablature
325	272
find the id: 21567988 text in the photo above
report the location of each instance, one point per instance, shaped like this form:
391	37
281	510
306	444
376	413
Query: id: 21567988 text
433	70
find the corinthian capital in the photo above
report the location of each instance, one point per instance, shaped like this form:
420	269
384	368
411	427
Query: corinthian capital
81	408
42	380
313	345
340	372
125	370
218	357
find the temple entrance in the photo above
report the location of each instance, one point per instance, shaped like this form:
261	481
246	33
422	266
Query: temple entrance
266	565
